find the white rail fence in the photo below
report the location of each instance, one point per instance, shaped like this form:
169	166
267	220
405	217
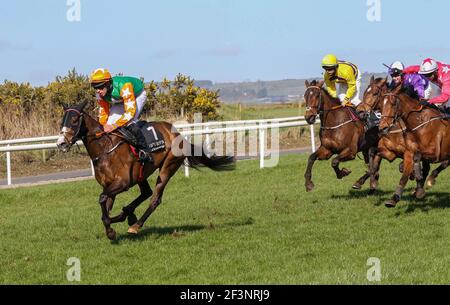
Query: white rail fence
187	130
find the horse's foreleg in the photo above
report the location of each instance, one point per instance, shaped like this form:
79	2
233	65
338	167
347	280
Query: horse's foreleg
359	183
345	155
321	154
374	172
408	164
435	173
168	169
419	193
128	211
106	203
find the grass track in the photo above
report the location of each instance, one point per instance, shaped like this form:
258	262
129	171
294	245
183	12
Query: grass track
248	226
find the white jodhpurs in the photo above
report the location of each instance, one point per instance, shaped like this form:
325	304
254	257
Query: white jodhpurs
117	110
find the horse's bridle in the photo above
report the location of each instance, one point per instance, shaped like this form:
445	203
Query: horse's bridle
75	136
309	108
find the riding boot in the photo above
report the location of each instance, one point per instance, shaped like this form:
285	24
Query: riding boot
145	154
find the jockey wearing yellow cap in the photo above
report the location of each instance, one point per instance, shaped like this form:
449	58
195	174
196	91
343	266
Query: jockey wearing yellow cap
346	75
121	100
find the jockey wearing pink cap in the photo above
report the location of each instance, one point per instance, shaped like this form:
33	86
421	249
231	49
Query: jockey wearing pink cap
438	73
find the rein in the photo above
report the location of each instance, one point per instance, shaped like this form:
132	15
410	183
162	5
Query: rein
96	135
396	117
308	108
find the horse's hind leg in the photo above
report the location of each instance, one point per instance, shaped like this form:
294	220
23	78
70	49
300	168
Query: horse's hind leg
128	211
435	173
345	155
169	168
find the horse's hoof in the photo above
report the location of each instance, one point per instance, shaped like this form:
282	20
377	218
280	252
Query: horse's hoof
134	229
356	186
132	219
419	193
309	187
344	172
111	234
430	181
390	203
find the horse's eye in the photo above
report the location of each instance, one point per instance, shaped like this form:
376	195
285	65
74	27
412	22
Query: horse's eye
74	120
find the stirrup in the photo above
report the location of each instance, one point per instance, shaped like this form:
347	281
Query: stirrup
145	156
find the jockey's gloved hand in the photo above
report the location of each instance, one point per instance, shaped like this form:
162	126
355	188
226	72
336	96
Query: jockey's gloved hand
346	102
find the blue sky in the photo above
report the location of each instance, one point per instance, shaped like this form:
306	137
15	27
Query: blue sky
220	40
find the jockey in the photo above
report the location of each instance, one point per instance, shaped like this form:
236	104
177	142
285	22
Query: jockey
121	100
439	74
346	75
416	81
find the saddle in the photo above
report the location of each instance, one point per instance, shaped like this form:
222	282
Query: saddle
149	138
153	138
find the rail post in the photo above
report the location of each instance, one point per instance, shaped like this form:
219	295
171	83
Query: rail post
8	165
313	142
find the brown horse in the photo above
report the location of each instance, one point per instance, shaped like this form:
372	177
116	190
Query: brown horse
392	143
427	136
117	168
340	132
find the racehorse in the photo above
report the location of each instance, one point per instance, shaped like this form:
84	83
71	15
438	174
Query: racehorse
341	132
392	144
427	136
117	168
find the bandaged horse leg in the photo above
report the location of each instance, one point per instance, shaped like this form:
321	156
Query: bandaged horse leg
419	192
345	155
321	154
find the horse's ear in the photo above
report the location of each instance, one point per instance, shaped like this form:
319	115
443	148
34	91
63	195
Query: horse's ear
384	81
65	106
372	79
306	83
320	84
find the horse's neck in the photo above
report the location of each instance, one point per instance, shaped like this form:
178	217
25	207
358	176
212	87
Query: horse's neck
329	102
96	145
409	108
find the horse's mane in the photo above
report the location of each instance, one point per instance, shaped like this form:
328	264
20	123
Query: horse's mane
325	91
409	90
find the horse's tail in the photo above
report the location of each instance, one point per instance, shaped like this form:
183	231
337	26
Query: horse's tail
217	163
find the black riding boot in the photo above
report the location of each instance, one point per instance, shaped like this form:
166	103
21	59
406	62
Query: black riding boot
140	143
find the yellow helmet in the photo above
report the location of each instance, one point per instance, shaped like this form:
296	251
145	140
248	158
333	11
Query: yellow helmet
100	75
329	60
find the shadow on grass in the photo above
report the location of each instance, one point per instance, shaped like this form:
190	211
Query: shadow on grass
432	200
178	231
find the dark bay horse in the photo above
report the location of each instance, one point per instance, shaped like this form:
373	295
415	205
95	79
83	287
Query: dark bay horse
340	132
117	168
427	136
392	143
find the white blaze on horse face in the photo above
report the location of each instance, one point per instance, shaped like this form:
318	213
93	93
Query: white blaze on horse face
385	101
368	90
62	138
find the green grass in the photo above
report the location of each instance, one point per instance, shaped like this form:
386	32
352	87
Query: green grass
249	226
254	112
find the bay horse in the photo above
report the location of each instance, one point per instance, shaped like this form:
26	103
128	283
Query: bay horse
427	136
117	168
392	143
340	132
